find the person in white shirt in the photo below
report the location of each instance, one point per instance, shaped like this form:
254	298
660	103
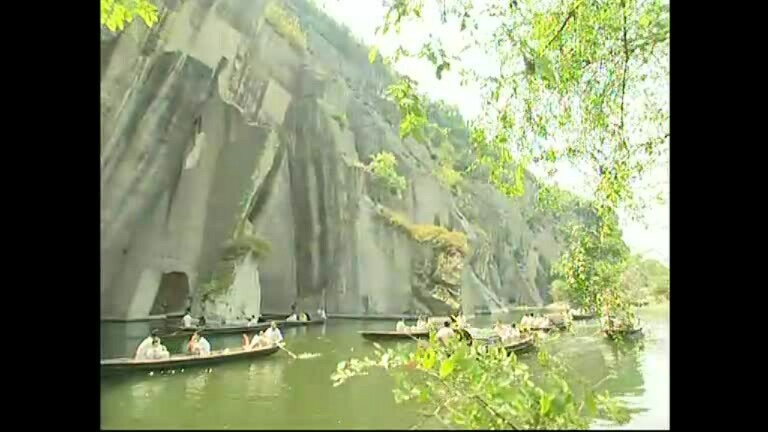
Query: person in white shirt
145	345
525	322
199	345
157	351
445	333
187	320
421	324
293	316
513	332
252	321
273	333
321	313
400	326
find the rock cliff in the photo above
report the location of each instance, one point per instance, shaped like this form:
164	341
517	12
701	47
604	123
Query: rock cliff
234	134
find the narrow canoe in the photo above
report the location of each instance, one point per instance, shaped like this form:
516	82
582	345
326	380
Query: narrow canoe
388	335
623	332
185	331
176	330
300	323
544	329
521	346
583	317
124	365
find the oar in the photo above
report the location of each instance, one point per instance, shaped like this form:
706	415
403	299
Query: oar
282	347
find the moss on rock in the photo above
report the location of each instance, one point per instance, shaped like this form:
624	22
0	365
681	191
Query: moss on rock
437	236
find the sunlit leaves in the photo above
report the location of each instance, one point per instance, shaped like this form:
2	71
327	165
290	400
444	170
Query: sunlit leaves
384	169
484	388
116	14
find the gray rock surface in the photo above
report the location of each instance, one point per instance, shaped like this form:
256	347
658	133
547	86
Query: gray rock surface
213	125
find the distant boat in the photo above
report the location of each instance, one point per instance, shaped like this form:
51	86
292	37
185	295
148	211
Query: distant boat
375	335
521	346
177	361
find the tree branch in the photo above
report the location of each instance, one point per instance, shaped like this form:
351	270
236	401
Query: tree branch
626	67
571	14
478	399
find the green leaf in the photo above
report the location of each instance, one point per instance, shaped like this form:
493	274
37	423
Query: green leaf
429	359
447	367
545	403
591	405
372	54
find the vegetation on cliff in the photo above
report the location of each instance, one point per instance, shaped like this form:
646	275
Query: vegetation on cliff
285	24
223	275
435	235
116	14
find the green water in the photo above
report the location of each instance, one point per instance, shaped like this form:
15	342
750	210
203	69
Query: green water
278	392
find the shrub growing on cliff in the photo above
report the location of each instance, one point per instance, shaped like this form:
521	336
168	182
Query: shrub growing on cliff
224	273
285	24
115	14
438	236
448	176
384	169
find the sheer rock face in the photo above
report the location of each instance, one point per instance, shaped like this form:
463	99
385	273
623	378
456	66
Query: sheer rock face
214	126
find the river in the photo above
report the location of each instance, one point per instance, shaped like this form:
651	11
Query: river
279	392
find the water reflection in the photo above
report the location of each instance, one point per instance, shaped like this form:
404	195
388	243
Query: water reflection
265	379
195	383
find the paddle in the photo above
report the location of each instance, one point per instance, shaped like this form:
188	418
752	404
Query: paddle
282	347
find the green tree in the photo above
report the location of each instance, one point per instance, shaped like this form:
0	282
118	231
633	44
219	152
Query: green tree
483	387
580	82
116	14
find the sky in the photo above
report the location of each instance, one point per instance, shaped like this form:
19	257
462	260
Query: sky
649	238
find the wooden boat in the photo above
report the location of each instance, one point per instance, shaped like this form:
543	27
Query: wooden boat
299	323
124	365
186	331
520	346
615	333
390	335
373	317
541	329
583	317
280	320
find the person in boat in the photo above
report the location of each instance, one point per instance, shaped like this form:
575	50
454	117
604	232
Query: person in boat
445	333
199	345
186	320
499	328
273	333
157	351
321	314
293	316
526	321
513	332
145	345
421	324
201	321
259	340
303	316
400	326
252	321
